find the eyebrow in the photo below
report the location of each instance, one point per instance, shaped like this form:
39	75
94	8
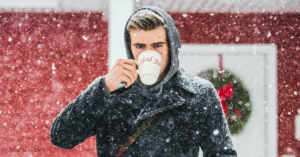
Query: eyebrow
151	44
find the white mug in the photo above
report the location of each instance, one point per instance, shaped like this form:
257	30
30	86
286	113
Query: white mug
149	63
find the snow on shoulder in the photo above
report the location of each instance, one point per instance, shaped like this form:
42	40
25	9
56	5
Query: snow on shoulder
191	83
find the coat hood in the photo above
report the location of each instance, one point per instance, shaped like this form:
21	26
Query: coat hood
174	43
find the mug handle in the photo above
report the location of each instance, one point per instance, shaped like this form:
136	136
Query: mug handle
137	63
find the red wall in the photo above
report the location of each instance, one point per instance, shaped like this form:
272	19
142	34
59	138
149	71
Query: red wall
32	91
228	28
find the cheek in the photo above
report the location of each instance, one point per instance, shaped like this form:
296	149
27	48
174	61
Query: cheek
165	58
164	54
135	56
135	53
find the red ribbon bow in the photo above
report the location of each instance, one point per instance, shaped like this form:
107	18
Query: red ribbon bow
225	93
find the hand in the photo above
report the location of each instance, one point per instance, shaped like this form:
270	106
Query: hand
123	70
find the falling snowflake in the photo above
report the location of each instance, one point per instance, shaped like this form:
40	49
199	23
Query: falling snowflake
216	132
53	66
85	38
168	140
269	34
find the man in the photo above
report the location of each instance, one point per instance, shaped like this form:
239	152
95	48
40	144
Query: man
189	112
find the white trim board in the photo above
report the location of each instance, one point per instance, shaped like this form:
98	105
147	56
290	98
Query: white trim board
28	3
234	49
270	56
119	13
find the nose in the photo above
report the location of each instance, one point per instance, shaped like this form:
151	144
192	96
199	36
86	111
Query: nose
149	48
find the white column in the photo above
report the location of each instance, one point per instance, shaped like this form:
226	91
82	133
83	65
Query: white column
119	12
297	126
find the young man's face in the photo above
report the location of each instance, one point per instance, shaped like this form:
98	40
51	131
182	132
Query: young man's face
155	39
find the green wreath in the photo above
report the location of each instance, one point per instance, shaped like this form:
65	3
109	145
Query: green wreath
235	98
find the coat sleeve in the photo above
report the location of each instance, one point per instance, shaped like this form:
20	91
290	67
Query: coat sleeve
217	139
77	121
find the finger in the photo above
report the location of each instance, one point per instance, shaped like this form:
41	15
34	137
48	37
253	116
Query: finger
127	80
130	68
129	61
129	74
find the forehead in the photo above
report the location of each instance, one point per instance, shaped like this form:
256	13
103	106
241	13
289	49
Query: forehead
155	35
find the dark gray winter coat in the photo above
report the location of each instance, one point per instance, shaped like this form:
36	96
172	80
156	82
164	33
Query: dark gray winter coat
190	113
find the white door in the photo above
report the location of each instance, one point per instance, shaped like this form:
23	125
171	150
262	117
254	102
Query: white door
255	65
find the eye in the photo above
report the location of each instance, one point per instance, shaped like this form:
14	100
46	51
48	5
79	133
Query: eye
158	45
139	46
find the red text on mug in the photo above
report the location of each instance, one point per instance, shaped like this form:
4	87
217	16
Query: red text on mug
154	61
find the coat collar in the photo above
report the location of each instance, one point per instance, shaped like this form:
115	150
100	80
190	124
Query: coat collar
169	98
184	80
